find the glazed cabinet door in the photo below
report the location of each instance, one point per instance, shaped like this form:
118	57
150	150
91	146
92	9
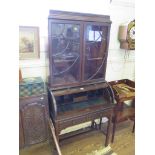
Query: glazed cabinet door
33	120
95	51
65	52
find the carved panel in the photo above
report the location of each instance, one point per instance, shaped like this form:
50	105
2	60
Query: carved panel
21	136
34	123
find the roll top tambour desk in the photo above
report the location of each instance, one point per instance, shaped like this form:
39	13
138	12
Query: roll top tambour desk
78	50
76	105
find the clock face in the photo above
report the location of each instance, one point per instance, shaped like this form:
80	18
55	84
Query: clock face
132	32
131	35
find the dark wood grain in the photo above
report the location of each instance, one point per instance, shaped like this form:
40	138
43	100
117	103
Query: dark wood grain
33	118
69	118
83	20
55	14
64	95
82	88
21	134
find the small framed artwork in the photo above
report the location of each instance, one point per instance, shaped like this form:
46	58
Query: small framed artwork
28	42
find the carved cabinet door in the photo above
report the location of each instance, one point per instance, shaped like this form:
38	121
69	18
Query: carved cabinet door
33	117
21	135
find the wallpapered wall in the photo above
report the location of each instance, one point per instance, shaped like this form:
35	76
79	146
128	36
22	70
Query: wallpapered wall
120	62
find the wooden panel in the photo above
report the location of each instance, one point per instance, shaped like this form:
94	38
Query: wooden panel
85	88
21	134
84	118
33	118
79	16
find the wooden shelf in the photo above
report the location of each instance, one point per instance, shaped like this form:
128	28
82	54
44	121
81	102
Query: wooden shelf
92	59
62	61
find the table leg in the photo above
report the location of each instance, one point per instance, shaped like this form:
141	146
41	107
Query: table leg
100	124
133	129
113	130
108	131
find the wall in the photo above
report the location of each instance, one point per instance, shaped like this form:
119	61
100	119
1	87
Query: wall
120	62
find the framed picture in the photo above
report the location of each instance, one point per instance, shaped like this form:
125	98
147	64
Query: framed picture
28	42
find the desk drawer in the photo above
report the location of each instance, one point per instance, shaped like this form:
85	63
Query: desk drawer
96	115
85	118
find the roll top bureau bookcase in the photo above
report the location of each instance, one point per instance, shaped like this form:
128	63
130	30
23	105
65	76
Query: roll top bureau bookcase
78	50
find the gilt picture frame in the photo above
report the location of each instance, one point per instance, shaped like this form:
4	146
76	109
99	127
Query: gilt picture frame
28	42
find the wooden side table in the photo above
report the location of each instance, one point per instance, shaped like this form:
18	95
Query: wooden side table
124	90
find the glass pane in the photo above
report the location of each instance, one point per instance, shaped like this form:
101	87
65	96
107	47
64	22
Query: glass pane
95	52
65	53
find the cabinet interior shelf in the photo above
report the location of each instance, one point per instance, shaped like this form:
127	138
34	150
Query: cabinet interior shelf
91	59
61	61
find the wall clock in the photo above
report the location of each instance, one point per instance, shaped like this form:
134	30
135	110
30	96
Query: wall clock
131	35
126	36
